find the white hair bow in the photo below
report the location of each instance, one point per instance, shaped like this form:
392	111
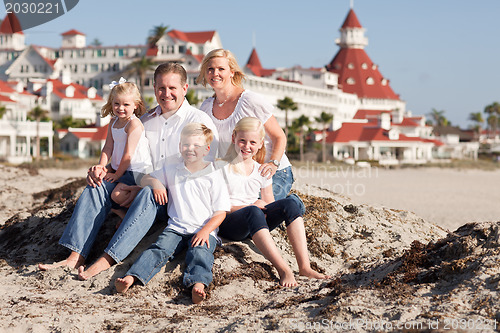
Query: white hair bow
114	83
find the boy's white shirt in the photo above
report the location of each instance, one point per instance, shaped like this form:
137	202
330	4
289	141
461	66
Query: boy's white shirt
193	198
245	190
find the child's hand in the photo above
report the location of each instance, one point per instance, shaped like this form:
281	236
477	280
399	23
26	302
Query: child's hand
260	203
200	238
160	195
95	175
111	177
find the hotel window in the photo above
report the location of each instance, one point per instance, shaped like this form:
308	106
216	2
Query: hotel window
370	81
364	65
384	82
350	65
350	80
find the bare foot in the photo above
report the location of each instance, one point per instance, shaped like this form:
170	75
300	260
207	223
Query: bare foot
101	264
287	279
74	260
311	273
122	284
198	293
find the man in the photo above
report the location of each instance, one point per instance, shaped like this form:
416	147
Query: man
162	126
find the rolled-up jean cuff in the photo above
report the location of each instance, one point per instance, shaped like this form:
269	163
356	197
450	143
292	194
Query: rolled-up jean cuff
74	249
138	279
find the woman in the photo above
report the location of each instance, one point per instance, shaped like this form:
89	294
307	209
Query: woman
231	102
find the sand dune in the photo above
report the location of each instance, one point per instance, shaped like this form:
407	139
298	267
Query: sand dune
392	270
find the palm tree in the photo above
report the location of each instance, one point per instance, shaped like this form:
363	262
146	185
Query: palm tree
191	97
139	69
493	110
150	102
324	119
68	121
2	111
38	114
438	118
96	42
286	104
301	123
477	118
156	33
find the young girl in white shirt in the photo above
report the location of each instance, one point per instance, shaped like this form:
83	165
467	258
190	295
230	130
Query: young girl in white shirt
126	146
255	217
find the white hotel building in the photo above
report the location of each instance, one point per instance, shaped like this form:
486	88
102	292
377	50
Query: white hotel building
87	67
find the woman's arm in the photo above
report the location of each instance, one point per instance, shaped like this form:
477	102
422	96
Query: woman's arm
278	139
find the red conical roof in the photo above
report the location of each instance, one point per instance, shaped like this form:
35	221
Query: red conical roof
351	21
255	65
359	75
10	25
357	72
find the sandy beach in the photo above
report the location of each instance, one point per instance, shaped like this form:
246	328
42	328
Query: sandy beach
446	197
391	269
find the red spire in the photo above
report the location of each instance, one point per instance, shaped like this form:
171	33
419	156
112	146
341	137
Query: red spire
255	66
253	60
10	25
351	21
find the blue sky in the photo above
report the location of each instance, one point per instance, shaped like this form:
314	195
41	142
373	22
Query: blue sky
439	54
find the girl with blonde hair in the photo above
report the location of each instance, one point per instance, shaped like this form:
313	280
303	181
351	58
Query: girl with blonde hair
254	216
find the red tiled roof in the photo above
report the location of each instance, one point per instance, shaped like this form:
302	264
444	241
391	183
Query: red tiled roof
409	122
348	63
5	88
152	51
255	65
365	114
50	62
6	99
351	21
199	37
72	32
10	25
98	135
360	132
80	91
198	57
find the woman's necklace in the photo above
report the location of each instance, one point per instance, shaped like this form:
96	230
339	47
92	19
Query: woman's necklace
224	102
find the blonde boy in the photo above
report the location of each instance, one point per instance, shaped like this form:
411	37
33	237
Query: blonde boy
197	202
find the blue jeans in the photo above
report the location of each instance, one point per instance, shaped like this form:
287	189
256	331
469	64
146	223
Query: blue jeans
245	222
199	259
282	183
88	216
90	212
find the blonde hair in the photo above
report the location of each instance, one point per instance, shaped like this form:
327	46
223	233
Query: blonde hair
238	76
247	124
126	88
198	129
